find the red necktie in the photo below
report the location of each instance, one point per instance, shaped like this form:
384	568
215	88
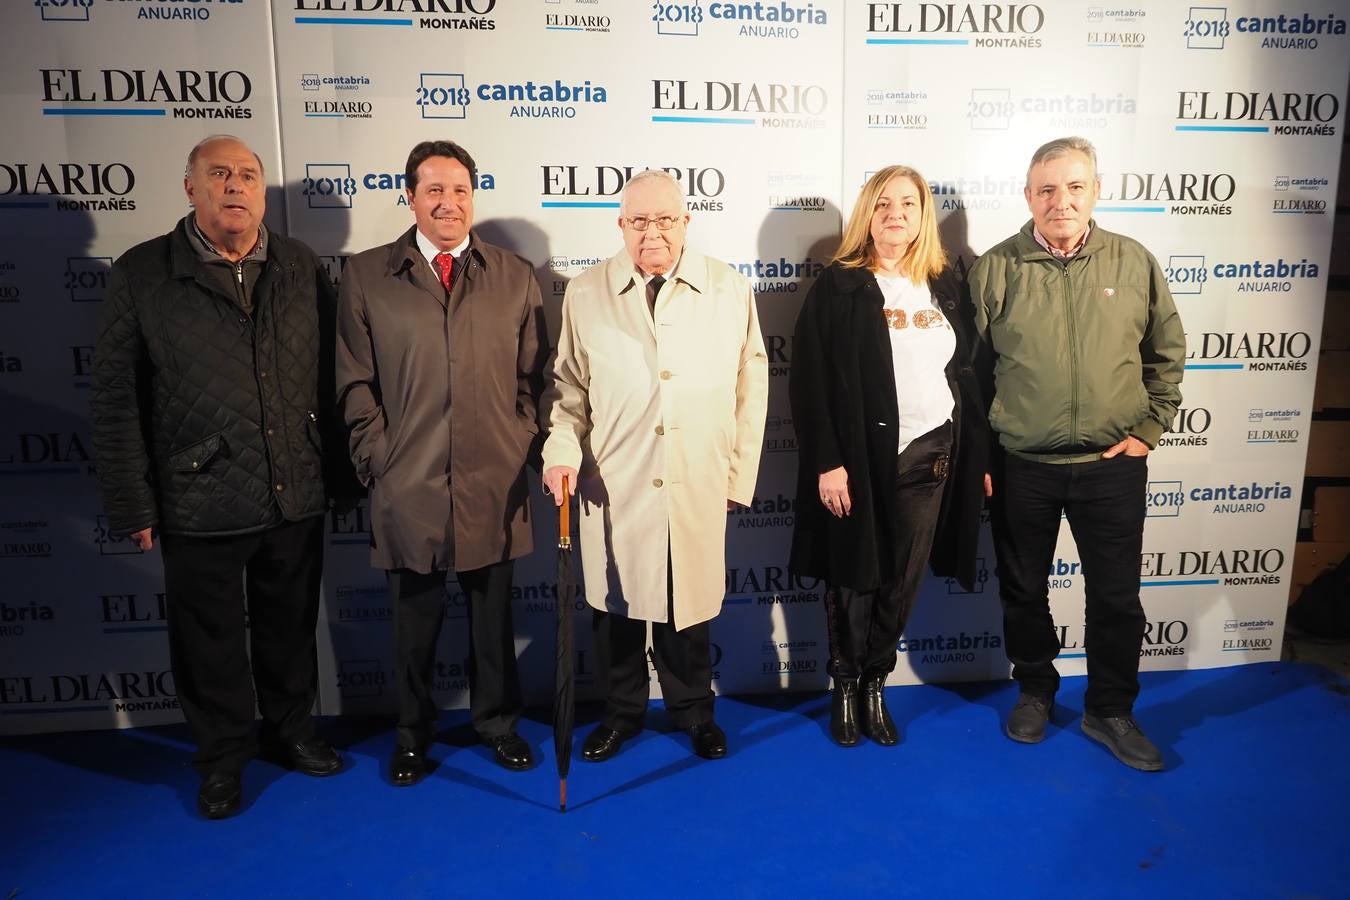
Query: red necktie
445	265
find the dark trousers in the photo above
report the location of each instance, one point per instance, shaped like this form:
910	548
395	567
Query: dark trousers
865	626
494	684
1104	503
208	582
683	664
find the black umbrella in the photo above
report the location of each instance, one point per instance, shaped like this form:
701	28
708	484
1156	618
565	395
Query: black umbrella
564	687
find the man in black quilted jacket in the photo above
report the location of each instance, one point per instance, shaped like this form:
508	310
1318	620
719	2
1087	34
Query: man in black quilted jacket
210	408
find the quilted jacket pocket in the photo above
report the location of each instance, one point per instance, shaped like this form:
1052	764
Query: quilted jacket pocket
195	457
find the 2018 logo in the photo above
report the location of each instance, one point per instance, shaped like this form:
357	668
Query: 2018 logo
1190	274
112	543
993	109
1186	274
448	95
64	10
86	278
442	95
145	10
1208	28
361	678
761	19
328	186
1164	498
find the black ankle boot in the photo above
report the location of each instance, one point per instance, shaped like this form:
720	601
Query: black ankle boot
876	719
844	712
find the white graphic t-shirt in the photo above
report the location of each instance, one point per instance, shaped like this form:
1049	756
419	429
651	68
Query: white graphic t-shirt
922	343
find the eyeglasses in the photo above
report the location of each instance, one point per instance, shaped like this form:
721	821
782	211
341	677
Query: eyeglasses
642	223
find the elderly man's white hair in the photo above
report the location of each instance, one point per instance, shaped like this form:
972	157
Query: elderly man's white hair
652	175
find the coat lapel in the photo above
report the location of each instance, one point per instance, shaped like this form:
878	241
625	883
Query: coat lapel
471	268
407	261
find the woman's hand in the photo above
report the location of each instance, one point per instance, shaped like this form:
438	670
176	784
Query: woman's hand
834	492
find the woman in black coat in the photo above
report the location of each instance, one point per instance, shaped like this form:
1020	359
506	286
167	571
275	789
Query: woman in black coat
891	435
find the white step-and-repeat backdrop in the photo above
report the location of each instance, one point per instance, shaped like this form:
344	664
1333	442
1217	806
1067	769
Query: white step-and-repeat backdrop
1219	130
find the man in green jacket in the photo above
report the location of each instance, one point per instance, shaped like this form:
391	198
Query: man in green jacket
1081	351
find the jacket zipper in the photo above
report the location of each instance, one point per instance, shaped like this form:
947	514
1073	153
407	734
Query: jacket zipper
262	404
1073	356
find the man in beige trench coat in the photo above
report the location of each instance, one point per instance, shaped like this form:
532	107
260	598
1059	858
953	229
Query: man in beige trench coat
440	359
660	388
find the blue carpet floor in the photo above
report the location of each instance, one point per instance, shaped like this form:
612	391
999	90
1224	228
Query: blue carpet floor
1253	803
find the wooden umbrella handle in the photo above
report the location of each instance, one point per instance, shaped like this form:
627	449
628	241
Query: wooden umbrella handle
564	514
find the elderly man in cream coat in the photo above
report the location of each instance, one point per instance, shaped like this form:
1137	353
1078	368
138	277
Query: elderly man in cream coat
657	405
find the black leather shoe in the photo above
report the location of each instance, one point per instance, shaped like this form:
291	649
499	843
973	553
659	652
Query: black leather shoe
218	797
313	757
710	741
511	752
876	718
844	712
603	743
407	766
1123	737
1026	723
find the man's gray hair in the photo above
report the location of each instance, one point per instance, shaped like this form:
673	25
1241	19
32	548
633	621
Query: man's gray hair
647	175
1062	147
211	139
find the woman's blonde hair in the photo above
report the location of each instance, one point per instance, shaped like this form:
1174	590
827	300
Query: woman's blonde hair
924	258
